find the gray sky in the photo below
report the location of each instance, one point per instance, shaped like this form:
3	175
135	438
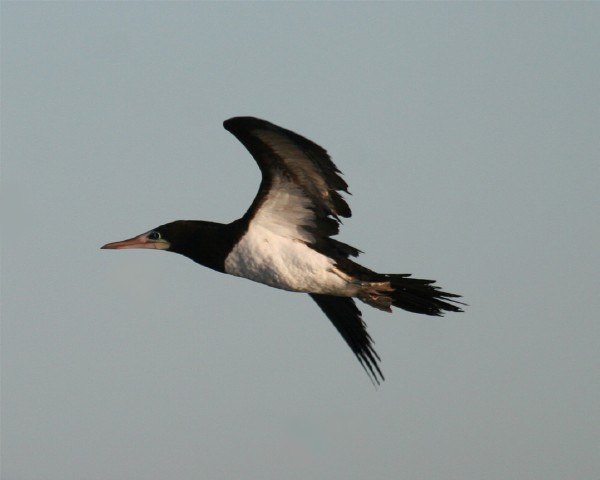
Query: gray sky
469	136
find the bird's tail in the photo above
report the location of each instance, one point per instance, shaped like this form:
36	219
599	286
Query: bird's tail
383	291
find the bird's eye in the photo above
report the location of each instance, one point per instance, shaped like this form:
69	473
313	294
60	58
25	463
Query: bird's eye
154	235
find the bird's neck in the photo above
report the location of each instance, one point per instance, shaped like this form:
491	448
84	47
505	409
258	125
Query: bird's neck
207	243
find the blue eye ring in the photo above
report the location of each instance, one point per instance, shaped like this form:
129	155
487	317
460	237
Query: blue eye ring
154	235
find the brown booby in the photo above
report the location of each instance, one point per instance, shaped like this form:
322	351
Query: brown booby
285	241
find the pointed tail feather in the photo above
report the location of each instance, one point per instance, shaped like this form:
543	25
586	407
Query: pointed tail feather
421	296
384	291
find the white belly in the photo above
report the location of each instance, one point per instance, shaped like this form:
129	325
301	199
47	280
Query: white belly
286	263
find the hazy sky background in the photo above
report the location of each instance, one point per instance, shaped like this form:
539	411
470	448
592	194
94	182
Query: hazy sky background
469	134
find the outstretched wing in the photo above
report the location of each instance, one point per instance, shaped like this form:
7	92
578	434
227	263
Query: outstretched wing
299	195
346	317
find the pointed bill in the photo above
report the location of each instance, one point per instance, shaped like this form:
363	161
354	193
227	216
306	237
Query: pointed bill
141	241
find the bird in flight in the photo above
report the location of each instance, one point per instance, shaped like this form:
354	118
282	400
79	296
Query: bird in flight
285	241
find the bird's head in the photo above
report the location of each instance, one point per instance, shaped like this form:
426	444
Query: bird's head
195	239
201	241
165	237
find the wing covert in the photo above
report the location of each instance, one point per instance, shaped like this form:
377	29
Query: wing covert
300	191
279	151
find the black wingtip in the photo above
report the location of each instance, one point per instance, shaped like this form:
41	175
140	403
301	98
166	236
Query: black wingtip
371	367
235	124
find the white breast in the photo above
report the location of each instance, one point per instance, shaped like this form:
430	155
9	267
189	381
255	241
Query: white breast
286	263
274	250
